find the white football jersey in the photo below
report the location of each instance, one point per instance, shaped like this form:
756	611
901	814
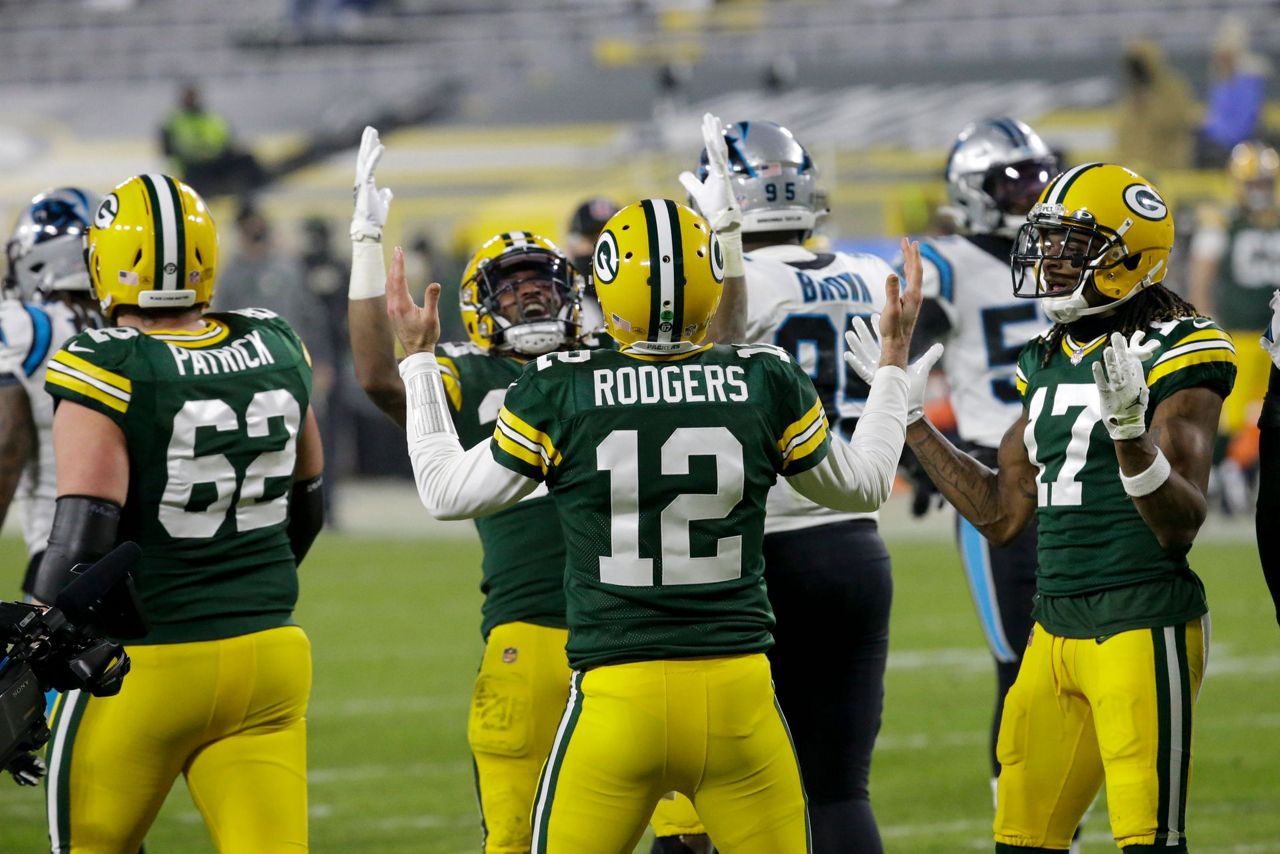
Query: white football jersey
803	303
29	335
989	326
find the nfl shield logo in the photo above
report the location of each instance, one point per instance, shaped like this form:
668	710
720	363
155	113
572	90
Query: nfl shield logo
509	655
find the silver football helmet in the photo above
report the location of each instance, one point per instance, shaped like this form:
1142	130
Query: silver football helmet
774	178
46	251
995	172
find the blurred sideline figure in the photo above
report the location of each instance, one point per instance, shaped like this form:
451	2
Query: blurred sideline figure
660	457
995	172
190	433
584	227
827	571
201	151
520	299
1235	267
1111	455
47	299
1268	509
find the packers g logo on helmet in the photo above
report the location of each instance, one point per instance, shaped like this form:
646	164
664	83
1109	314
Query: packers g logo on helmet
1098	236
668	276
153	244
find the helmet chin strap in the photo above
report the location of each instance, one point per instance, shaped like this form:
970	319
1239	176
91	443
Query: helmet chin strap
1074	306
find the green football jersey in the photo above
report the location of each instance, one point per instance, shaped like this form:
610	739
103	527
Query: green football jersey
523	564
660	469
211	420
1247	276
1094	547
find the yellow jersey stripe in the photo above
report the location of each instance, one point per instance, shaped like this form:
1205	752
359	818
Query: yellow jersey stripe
213	332
1202	335
74	362
517	450
81	387
518	425
808	446
1021	384
1070	345
452	389
1199	357
799	425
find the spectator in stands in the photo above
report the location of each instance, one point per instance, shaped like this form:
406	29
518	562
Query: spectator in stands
1156	115
1236	95
198	144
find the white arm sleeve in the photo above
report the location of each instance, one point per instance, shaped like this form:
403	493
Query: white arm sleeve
858	477
368	271
452	483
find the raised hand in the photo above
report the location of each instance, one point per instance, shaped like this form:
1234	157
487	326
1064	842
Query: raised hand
371	204
418	329
865	356
714	197
901	308
1122	385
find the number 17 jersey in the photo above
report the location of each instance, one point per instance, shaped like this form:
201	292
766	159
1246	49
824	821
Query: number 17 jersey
211	419
660	470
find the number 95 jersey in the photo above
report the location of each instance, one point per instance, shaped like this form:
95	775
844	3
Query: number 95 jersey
211	419
803	302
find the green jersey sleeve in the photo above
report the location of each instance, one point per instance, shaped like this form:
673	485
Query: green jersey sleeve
804	437
524	439
88	370
1197	353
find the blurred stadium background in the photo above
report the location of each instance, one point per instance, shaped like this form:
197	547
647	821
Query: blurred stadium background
510	112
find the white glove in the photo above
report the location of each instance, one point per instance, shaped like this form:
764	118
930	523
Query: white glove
1270	339
863	356
1122	385
714	197
372	204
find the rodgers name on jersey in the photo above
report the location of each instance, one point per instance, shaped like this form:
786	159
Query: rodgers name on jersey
660	482
523	565
1092	538
211	419
803	302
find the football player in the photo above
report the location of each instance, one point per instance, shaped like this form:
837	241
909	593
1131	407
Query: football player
1111	454
520	299
189	433
1268	509
1235	266
47	300
660	457
995	172
802	302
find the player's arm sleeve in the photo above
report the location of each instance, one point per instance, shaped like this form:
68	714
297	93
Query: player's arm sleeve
858	477
452	483
89	381
1268	509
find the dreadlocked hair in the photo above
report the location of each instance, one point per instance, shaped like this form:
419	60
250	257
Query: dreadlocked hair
1155	304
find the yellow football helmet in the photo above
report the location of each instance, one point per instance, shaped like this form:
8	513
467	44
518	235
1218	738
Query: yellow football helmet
659	273
521	295
1254	168
1098	226
152	244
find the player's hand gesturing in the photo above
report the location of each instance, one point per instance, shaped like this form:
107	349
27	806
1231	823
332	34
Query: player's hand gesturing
901	308
418	328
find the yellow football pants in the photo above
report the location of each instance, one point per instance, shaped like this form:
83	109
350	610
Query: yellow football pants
1083	712
516	706
228	714
709	728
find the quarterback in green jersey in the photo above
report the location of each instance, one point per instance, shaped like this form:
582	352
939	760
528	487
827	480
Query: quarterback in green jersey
659	457
1111	454
190	433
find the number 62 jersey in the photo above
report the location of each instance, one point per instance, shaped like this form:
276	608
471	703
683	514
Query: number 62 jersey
211	420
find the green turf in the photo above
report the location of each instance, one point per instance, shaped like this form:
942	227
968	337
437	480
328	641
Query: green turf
394	629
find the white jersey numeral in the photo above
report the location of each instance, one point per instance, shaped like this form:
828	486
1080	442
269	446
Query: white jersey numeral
619	455
187	469
1064	490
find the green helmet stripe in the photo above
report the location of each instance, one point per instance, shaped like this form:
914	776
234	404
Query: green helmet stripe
180	227
655	269
677	270
159	280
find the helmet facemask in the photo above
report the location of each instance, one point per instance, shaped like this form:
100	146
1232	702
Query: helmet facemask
1058	257
530	300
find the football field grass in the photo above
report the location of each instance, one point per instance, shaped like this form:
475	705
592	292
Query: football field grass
393	624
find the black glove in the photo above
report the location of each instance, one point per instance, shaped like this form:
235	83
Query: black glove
27	769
